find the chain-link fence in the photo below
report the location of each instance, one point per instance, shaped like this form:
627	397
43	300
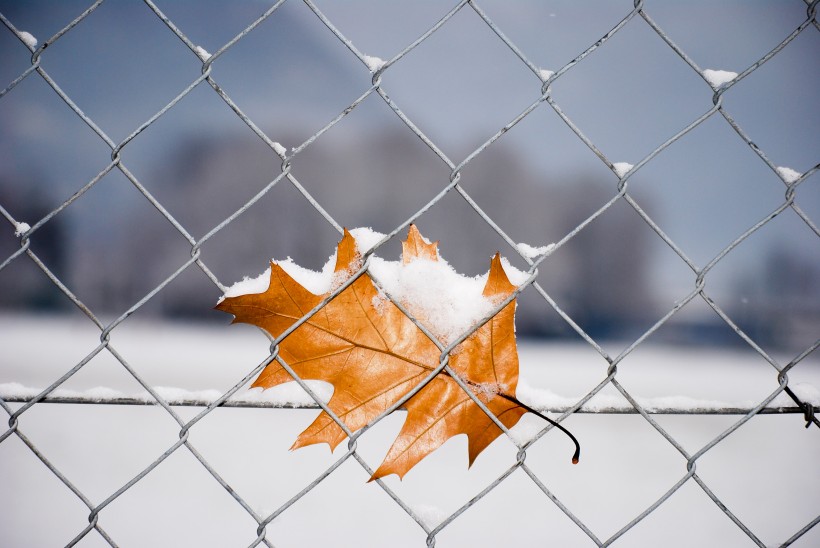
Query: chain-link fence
722	86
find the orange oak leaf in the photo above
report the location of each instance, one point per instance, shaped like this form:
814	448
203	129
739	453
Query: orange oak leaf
373	355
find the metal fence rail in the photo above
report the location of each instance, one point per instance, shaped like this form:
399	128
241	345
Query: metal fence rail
640	14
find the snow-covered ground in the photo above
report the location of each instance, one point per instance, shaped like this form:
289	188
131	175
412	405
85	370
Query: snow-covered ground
765	472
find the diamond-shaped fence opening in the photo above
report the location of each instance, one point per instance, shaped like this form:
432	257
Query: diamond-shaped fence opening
236	114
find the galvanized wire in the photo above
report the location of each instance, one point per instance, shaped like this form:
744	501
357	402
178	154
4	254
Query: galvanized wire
542	82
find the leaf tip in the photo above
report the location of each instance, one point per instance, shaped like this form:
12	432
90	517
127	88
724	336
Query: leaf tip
497	281
417	246
226	305
346	251
300	442
382	472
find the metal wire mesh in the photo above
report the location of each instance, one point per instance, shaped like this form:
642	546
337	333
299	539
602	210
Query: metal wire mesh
546	80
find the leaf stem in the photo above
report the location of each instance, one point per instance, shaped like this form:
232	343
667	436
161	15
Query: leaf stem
575	456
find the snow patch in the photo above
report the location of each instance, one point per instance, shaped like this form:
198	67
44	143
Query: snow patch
486	391
526	429
807	393
545	74
517	277
292	395
28	39
443	300
681	402
338	279
18	391
173	394
622	168
446	302
717	78
542	399
531	252
202	53
373	63
431	515
102	393
10	390
287	395
21	228
379	302
249	285
279	149
366	238
788	174
317	283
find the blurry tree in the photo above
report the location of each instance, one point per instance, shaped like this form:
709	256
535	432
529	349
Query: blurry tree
378	180
22	283
119	247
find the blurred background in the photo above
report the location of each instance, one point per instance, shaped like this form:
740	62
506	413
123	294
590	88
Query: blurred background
615	278
538	182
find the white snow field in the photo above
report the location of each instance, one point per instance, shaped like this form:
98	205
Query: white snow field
765	472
